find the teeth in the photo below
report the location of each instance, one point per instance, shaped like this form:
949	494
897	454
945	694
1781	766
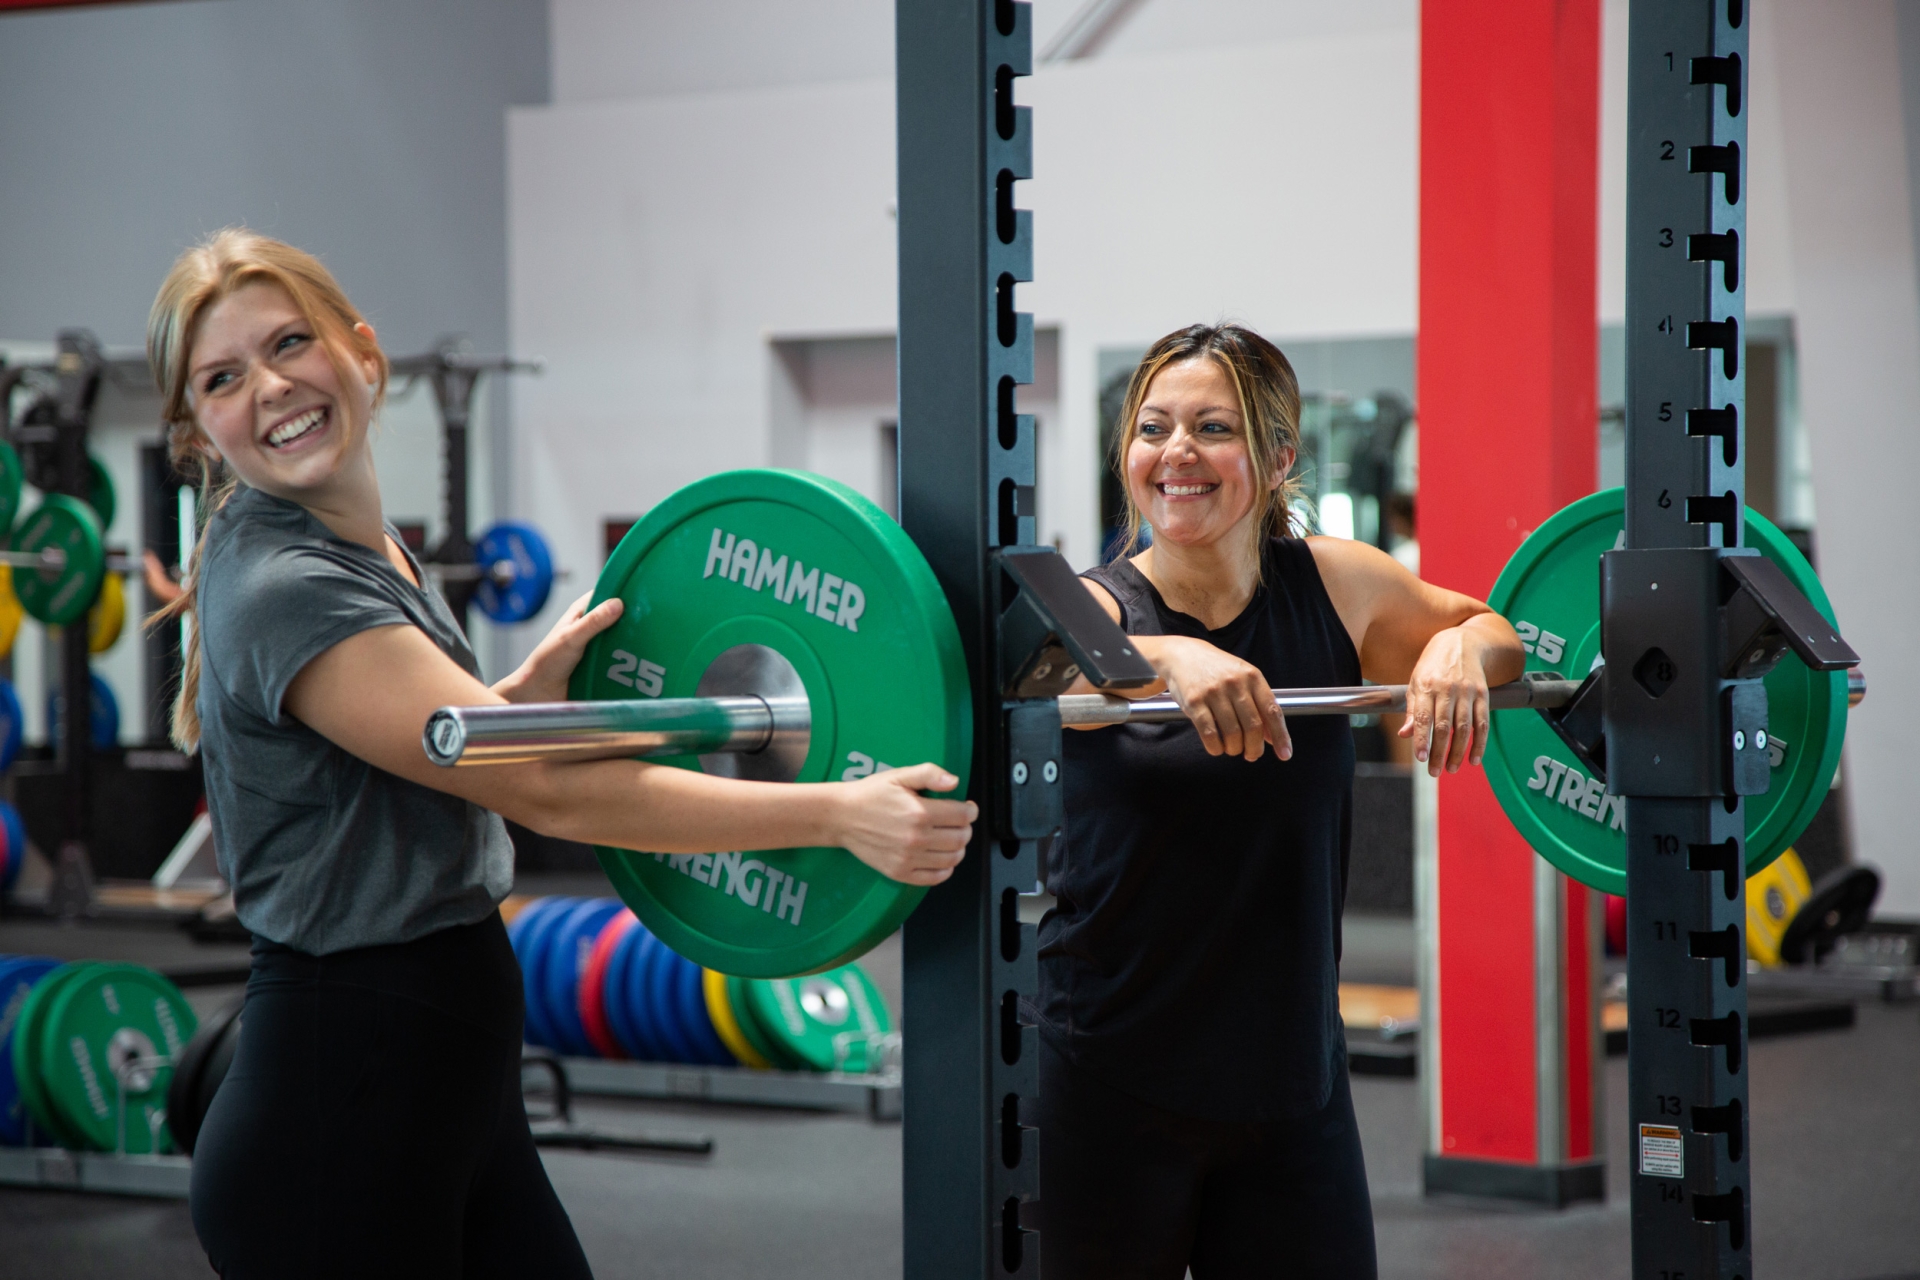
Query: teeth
298	427
1185	490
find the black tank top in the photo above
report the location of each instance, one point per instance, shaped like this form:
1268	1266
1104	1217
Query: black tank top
1191	958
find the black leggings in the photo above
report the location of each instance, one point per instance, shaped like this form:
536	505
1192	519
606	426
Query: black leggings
1129	1191
372	1123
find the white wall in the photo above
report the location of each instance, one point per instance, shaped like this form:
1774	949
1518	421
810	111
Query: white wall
659	244
1857	310
128	131
1769	243
611	50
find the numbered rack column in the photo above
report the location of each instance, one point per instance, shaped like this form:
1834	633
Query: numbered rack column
1670	712
966	493
1026	750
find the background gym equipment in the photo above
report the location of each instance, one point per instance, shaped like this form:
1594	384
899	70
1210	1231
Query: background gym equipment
556	1128
1774	894
508	570
198	1071
14	831
1836	906
59	563
17	977
103	716
12	724
1550	590
600	984
515	572
91	1051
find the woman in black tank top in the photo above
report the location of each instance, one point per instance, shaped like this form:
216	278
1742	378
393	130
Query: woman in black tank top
1193	1074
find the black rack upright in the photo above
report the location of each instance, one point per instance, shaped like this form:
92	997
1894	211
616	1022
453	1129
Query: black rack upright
966	490
1671	712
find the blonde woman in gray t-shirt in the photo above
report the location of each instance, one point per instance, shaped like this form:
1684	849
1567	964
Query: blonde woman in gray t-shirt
372	1123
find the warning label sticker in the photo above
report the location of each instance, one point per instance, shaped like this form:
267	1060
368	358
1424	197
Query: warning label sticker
1662	1154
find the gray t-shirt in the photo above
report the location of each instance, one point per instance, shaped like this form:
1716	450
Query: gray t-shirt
324	851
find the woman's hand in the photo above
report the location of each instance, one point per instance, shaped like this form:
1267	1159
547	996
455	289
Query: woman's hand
884	821
543	676
1229	701
162	586
1447	702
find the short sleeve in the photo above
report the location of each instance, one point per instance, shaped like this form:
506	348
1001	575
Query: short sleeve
264	617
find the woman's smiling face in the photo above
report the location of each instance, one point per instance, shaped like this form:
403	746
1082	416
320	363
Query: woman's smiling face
266	391
1189	470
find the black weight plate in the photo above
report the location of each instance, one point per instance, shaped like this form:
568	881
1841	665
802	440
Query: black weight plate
1839	904
186	1101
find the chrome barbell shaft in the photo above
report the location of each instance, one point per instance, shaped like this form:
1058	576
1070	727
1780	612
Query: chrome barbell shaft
502	573
50	559
515	734
1365	699
54	560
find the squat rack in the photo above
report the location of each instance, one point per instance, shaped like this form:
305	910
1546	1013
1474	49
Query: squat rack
966	498
1677	723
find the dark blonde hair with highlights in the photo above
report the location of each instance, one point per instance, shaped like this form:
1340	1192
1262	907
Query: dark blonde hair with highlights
219	266
1269	396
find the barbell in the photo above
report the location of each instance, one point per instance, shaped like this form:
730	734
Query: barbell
51	562
780	626
752	723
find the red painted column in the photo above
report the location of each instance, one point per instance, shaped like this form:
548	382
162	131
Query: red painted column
1508	382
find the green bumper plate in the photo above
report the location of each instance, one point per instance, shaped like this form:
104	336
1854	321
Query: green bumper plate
809	568
12	479
70	525
28	1033
105	1038
833	1021
1550	591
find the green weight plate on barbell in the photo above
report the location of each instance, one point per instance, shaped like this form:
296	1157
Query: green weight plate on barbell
70	525
101	495
806	567
1550	591
106	1041
12	479
27	1035
833	1021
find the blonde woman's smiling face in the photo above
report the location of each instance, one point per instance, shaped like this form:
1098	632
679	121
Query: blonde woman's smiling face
1189	470
266	392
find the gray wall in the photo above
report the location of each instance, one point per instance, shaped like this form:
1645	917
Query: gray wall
371	132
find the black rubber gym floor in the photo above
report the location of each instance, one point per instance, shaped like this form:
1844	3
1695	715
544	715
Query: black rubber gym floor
1835	1132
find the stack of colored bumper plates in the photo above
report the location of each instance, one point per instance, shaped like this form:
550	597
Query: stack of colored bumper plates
598	984
91	1053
